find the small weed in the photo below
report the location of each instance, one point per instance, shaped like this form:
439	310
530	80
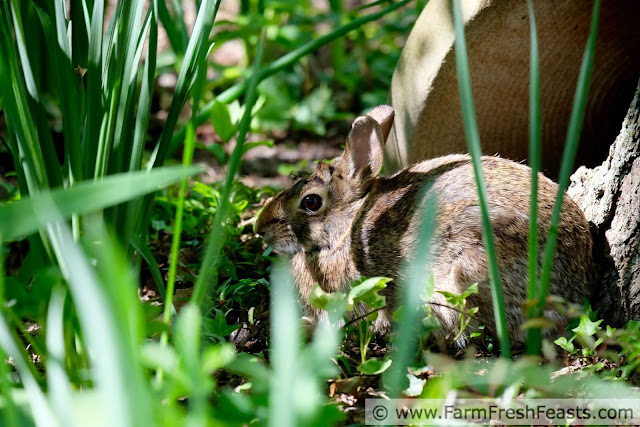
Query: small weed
459	303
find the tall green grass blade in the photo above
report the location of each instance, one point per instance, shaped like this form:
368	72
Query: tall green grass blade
16	107
134	39
129	150
69	91
198	44
146	93
42	413
285	338
109	81
68	84
57	380
144	251
187	339
22	51
174	27
110	320
568	157
61	30
94	99
282	63
473	144
10	411
29	61
26	216
121	53
407	334
187	158
216	236
47	147
79	15
535	144
134	210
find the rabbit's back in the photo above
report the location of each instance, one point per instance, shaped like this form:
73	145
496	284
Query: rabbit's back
385	234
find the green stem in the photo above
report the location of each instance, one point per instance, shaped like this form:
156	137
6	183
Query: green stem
473	145
535	143
216	236
187	159
566	167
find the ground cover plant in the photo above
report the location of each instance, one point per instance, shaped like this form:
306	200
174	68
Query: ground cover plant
132	294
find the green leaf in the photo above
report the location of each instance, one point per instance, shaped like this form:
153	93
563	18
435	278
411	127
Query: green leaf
30	214
473	289
328	300
565	345
218	326
587	328
216	357
284	352
430	324
252	368
453	299
310	112
196	51
250	145
154	355
367	292
415	386
374	366
221	120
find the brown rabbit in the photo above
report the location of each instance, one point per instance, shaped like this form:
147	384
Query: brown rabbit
344	222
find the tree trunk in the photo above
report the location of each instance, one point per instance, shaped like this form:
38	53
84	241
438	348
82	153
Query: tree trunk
609	194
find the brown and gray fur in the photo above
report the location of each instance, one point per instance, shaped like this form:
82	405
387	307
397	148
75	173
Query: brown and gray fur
367	226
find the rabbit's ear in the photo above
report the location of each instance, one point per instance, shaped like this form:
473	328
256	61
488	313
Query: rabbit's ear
363	152
383	114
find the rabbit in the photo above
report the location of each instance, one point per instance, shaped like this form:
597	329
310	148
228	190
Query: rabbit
344	222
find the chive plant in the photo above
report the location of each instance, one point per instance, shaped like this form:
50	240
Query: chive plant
473	144
535	153
537	297
534	335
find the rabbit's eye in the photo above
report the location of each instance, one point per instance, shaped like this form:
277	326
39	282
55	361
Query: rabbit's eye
311	202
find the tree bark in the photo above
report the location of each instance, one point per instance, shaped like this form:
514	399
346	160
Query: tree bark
609	194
